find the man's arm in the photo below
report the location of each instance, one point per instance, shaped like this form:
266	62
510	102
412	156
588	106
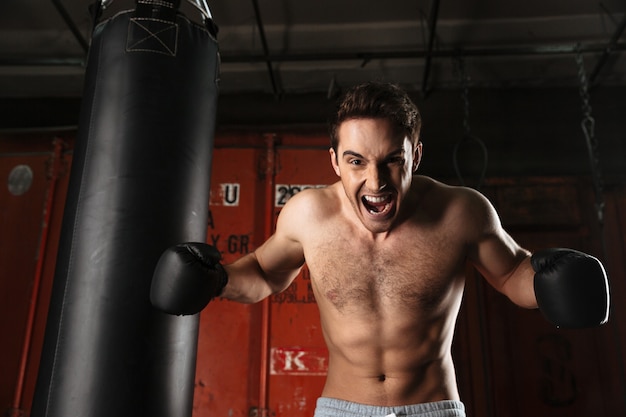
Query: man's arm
569	287
274	265
269	269
496	255
189	275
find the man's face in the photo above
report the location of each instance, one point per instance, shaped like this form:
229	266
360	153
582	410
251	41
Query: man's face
376	167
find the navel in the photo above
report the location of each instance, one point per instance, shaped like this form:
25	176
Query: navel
382	377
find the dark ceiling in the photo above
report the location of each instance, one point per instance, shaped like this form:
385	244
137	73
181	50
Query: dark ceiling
313	46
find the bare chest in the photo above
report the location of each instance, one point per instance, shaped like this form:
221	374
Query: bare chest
416	274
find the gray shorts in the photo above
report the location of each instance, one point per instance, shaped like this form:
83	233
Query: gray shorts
331	407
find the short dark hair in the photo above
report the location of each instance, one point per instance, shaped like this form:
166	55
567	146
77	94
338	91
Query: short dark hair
377	100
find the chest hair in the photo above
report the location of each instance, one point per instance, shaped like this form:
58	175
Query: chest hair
414	275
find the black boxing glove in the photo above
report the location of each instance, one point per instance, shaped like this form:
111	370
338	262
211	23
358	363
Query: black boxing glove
187	277
571	287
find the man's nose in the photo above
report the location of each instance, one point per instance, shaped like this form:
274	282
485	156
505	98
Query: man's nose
377	179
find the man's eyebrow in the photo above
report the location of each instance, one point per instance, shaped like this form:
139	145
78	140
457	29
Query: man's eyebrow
399	151
352	153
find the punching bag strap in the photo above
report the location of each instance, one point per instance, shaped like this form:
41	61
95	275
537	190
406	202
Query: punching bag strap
203	6
157	9
95	11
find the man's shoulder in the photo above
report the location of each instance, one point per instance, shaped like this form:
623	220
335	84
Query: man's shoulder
307	213
427	185
430	190
442	198
318	197
312	203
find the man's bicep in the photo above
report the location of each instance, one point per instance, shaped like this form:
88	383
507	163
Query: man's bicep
495	253
282	256
506	266
497	257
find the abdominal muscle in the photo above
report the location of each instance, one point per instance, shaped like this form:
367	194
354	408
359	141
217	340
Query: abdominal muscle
395	360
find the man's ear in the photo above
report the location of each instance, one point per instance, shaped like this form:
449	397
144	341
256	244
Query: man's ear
417	156
334	161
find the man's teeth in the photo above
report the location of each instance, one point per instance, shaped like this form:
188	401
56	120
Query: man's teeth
375	200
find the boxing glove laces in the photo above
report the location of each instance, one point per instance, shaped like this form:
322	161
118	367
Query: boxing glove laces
571	288
186	278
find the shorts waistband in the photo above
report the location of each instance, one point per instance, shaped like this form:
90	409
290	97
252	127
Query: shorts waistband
332	407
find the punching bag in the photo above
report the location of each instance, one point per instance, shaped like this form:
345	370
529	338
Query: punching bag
139	183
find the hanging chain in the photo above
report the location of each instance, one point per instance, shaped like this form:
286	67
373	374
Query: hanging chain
588	126
467	136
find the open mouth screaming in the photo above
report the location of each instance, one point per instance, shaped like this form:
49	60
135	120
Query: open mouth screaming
378	205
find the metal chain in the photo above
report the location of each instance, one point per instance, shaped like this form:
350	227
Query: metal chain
588	126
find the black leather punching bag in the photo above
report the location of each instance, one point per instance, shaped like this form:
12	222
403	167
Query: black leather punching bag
139	183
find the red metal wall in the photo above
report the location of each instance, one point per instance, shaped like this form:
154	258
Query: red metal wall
272	357
30	227
298	356
269	358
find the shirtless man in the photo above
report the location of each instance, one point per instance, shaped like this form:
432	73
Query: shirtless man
386	251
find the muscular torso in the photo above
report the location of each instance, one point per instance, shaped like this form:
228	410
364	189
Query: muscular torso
388	305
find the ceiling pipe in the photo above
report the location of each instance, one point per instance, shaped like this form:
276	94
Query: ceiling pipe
266	51
407	54
71	25
432	24
341	56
